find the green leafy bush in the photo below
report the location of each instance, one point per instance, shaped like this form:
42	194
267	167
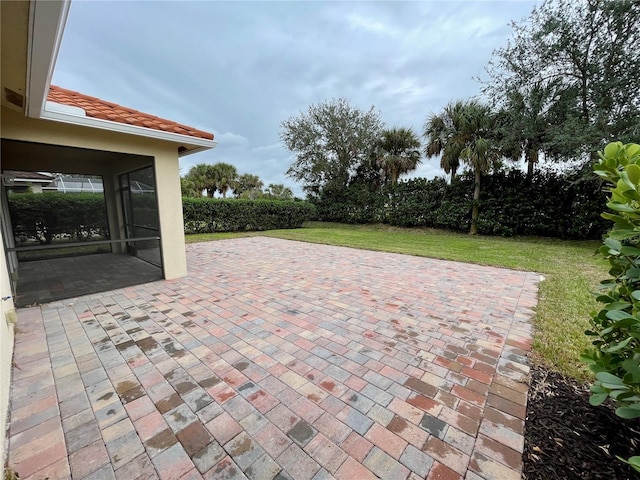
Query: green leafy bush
209	215
45	216
615	358
565	206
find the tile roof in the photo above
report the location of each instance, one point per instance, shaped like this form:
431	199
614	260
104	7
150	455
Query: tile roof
101	109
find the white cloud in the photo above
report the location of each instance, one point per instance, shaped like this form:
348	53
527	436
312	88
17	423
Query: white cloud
239	69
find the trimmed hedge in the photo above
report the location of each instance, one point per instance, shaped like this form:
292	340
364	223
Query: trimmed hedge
209	215
565	206
45	216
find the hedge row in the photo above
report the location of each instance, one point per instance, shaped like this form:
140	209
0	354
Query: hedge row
209	215
45	216
565	206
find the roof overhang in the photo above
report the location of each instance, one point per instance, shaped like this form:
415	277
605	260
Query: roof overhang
75	116
46	26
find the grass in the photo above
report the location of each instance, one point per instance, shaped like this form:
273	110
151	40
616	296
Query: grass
570	269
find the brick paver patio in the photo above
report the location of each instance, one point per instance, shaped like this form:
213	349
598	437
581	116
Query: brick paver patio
279	359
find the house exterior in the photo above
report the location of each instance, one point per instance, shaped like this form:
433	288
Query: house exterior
45	128
21	181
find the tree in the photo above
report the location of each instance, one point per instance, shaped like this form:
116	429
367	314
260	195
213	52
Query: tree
202	176
225	176
399	153
330	141
248	186
523	123
575	64
188	188
279	192
438	131
464	132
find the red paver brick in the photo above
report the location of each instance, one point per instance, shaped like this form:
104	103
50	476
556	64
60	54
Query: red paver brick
462	422
221	392
172	463
469	410
357	446
517	397
88	459
351	469
421	387
150	425
59	469
386	440
468	395
38	454
408	431
326	453
447	455
224	427
272	440
355	383
140	407
442	472
477	375
194	438
503	435
506	406
425	403
488	468
297	463
499	452
405	410
332	428
504	419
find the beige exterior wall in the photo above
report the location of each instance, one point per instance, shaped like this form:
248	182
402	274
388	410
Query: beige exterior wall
107	160
7	319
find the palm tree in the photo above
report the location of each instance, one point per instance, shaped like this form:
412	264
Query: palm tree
226	176
399	153
188	188
524	122
203	178
279	191
248	186
463	132
438	132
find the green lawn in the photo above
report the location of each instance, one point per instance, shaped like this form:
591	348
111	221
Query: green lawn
570	268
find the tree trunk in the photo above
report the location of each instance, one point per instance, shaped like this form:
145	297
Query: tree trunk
394	176
476	201
532	158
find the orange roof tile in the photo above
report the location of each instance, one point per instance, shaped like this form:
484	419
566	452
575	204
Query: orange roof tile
96	108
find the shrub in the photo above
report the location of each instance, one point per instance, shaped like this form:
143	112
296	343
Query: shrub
209	215
565	206
45	216
615	357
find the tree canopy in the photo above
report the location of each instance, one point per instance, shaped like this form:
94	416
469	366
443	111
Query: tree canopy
217	177
398	153
567	81
225	175
330	141
464	131
248	186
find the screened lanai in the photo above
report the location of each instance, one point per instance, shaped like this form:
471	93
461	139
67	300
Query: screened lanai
84	232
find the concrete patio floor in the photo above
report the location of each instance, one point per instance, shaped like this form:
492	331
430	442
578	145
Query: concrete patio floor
279	359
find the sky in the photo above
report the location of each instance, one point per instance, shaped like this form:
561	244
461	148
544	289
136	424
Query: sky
239	69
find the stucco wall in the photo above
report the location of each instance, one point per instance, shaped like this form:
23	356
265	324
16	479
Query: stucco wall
107	146
7	317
